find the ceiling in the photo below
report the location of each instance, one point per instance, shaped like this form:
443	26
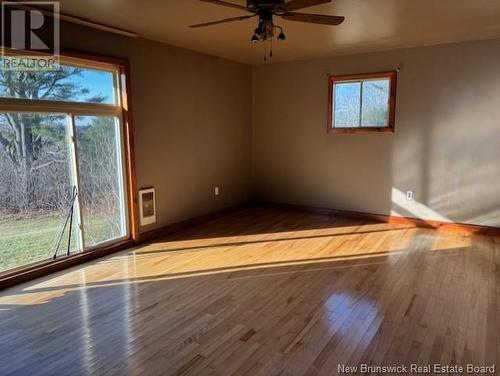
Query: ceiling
371	25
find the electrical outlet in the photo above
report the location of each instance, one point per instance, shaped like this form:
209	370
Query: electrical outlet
409	195
216	191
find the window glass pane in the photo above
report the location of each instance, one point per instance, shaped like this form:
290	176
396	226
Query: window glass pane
101	178
347	104
35	188
375	109
69	84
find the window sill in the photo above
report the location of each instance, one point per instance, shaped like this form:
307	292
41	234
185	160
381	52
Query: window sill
360	130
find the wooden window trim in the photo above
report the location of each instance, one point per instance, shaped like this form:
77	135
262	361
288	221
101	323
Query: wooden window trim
391	75
122	66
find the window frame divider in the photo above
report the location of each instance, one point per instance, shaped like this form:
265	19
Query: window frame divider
75	172
54	107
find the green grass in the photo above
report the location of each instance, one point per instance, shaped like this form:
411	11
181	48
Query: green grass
27	240
24	241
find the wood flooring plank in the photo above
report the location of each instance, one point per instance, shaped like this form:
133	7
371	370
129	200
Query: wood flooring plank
262	292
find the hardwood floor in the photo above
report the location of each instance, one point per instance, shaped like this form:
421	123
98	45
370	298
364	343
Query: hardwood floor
262	292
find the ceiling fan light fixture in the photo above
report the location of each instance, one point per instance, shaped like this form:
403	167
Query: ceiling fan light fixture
266	10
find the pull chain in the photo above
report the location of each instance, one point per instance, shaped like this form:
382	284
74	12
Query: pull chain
270	50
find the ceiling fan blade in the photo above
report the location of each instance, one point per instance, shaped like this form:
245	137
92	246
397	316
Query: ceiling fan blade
222	21
313	18
300	4
226	4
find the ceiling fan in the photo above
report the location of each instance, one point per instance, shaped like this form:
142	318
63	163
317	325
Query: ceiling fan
267	9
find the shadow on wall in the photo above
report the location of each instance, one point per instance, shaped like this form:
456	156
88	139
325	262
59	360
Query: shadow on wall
297	162
414	209
447	147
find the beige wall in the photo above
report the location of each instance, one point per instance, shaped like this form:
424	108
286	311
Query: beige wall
191	118
446	147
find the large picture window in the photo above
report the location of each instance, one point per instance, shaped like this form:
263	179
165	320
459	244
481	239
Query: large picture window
62	155
362	103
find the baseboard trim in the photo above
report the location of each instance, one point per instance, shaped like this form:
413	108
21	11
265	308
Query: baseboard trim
464	228
42	269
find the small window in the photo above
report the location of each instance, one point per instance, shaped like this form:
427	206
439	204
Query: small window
362	103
